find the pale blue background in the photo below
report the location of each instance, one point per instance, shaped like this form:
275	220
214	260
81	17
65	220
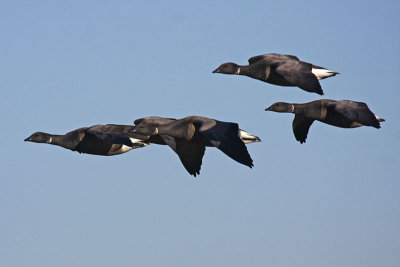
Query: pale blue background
333	201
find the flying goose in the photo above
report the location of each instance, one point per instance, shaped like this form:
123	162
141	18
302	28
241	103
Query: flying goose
113	139
105	140
189	136
343	113
284	70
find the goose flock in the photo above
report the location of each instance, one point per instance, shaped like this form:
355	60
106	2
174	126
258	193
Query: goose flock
188	137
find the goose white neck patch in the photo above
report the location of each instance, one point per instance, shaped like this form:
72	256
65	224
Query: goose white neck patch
291	108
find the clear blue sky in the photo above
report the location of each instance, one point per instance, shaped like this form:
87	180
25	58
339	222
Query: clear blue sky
333	201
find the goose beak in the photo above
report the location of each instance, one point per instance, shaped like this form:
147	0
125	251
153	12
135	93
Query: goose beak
27	139
216	70
268	109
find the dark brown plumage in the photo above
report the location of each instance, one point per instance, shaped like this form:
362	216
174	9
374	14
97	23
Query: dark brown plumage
283	70
189	136
104	140
343	113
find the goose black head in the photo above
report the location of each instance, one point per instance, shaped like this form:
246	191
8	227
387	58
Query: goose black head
39	137
281	107
228	68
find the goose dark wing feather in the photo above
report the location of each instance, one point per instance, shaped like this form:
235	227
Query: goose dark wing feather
255	59
301	125
309	82
271	58
153	121
103	132
191	154
170	141
138	121
224	136
355	111
291	57
306	81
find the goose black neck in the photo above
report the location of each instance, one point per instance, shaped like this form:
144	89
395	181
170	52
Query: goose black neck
243	70
61	140
299	108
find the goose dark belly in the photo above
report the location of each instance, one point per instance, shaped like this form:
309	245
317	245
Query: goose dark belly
95	146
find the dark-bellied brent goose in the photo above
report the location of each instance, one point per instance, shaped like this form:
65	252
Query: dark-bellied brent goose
343	113
284	70
189	136
105	140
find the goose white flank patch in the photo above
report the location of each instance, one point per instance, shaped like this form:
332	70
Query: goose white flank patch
248	138
322	73
138	142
